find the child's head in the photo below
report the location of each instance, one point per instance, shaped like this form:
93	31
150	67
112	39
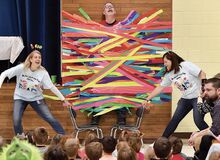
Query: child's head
122	144
123	136
1	143
71	147
109	144
40	135
29	136
126	153
134	142
214	155
176	143
94	150
55	152
56	139
90	137
162	147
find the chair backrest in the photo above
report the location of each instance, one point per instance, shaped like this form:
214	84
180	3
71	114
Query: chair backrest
73	117
139	114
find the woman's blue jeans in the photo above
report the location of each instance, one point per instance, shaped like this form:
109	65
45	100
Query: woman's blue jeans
41	108
184	106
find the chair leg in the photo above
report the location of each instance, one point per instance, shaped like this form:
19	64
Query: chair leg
115	131
97	132
77	133
101	133
112	132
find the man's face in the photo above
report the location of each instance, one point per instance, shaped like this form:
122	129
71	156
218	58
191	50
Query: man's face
211	94
109	9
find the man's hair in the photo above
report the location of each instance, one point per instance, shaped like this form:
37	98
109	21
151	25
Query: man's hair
217	76
109	144
162	147
94	150
215	82
126	153
40	135
110	3
176	143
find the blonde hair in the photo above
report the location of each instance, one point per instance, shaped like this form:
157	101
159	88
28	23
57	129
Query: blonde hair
126	153
27	62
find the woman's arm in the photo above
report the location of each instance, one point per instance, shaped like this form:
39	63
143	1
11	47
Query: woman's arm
57	93
11	72
155	92
2	78
60	96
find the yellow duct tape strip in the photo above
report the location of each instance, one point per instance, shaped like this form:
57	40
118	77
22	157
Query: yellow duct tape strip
65	74
142	21
125	58
107	110
109	71
57	99
117	84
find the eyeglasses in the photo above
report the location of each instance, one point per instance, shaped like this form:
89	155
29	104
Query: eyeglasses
109	6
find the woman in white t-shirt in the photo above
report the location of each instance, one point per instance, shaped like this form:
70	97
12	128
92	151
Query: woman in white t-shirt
187	77
31	78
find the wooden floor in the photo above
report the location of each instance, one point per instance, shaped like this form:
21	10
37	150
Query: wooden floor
152	125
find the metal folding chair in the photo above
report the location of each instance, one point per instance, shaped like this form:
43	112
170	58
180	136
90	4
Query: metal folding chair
134	127
83	128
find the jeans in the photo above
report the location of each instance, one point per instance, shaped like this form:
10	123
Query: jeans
41	108
184	106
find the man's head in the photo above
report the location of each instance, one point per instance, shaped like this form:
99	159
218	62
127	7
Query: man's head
212	89
109	9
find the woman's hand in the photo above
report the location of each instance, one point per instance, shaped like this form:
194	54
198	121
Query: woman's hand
146	104
66	103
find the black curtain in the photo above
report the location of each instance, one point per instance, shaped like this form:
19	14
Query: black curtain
36	21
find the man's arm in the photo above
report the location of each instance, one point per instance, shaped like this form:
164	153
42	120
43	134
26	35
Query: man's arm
197	135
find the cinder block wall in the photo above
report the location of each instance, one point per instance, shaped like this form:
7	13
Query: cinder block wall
196	37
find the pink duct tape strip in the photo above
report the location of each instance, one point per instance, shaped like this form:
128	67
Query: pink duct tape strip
99	103
125	90
66	24
130	75
120	90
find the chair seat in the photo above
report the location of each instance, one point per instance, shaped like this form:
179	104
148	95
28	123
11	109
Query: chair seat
129	127
85	126
124	126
